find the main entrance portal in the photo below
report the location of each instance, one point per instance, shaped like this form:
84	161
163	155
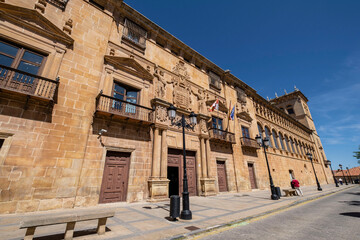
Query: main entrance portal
176	171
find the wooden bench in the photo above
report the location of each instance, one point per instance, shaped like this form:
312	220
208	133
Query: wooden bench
33	221
290	192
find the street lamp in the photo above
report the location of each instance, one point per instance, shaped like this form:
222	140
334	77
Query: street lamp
309	155
185	213
336	183
265	144
349	175
343	174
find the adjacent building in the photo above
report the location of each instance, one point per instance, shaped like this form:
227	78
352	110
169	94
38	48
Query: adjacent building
85	86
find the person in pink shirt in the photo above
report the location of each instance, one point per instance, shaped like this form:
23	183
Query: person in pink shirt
296	185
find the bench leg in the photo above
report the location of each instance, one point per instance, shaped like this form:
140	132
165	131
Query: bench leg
69	232
29	235
101	226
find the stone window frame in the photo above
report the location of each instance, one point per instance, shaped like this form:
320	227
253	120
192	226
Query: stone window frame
214	80
4	150
137	30
275	138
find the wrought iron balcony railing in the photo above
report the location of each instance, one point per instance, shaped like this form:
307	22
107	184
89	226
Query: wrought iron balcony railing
249	143
19	81
123	109
221	135
59	3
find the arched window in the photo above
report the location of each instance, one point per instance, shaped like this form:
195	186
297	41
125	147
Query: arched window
287	143
297	147
274	138
267	133
281	141
260	130
292	145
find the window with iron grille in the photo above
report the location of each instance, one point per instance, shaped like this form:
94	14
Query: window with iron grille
134	33
214	80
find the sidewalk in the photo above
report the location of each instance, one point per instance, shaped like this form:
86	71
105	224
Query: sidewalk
150	220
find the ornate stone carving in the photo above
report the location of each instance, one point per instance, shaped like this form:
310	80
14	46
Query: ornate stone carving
182	90
241	95
203	126
40	6
161	83
161	113
68	26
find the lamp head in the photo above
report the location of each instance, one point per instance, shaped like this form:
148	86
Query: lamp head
193	120
309	155
172	112
266	142
258	139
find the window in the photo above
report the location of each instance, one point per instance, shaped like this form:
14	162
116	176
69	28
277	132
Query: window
245	132
97	4
1	142
217	123
297	147
292	145
267	134
214	80
125	94
260	130
275	140
134	33
287	144
19	58
281	141
290	109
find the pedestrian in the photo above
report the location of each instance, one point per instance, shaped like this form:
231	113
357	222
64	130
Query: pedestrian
340	181
296	185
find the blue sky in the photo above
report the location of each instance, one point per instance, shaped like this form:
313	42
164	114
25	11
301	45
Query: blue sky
274	45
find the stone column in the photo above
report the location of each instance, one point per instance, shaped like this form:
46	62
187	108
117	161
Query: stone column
164	150
208	157
155	173
203	158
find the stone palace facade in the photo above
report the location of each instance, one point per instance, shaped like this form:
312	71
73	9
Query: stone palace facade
84	91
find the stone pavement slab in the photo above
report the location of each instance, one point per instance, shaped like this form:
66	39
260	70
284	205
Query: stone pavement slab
146	220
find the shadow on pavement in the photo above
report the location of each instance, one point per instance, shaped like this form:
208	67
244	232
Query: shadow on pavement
353	203
354	193
351	214
76	234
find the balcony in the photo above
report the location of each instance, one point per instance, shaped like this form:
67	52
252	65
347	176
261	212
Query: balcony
114	107
249	143
59	3
28	84
221	135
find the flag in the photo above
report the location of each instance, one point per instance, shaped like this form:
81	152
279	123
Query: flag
232	113
215	105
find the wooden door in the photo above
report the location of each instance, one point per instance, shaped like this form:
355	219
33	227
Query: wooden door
175	159
115	179
221	170
191	174
252	175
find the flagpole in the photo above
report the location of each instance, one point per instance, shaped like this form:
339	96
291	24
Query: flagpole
228	117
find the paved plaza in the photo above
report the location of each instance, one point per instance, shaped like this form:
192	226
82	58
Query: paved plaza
151	220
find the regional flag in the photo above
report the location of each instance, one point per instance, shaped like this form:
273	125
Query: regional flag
232	113
214	106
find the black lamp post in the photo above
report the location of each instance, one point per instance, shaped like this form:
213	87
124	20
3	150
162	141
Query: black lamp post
265	144
309	155
185	213
349	175
336	183
343	174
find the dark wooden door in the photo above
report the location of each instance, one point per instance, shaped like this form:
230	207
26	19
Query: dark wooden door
221	170
175	159
115	179
252	175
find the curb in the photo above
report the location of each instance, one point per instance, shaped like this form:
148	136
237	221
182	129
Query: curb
260	215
